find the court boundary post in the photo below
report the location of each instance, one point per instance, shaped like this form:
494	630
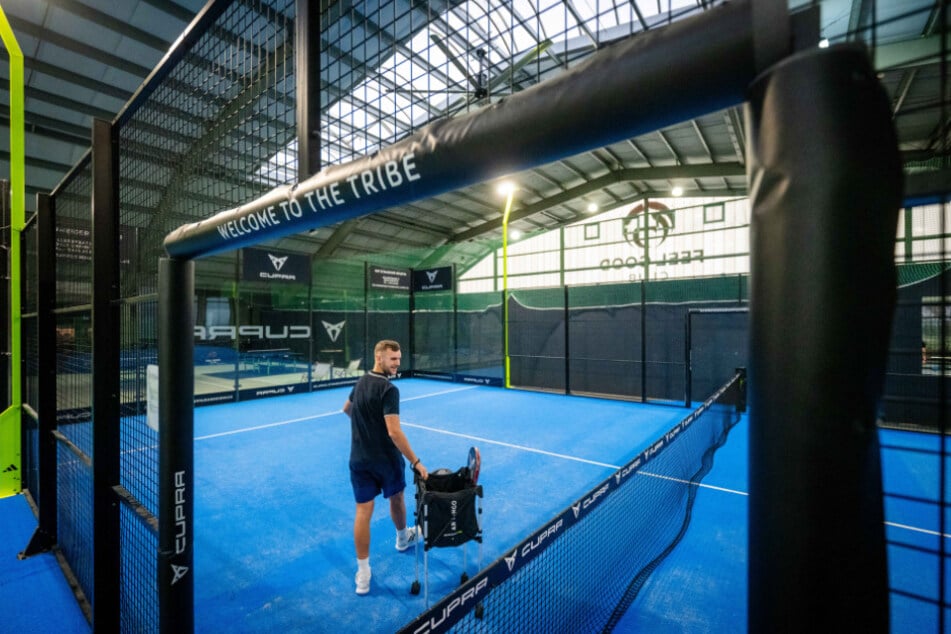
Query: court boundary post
105	369
176	324
828	293
45	535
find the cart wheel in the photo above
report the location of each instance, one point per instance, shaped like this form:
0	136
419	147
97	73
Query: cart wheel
479	611
414	589
463	578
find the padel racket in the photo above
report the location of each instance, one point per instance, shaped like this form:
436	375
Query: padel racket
475	464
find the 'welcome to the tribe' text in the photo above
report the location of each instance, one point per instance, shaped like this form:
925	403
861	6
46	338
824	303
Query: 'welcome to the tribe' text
389	175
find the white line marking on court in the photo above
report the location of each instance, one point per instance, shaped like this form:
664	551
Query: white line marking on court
698	484
277	424
916	529
574	458
316	416
458	389
511	446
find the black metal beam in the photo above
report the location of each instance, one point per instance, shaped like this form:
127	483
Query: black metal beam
307	70
44	537
105	368
599	101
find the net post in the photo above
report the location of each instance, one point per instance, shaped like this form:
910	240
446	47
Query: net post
741	390
176	324
825	188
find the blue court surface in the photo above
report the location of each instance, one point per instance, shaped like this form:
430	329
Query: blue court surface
274	514
274	509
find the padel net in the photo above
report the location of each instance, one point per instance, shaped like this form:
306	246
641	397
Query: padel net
583	569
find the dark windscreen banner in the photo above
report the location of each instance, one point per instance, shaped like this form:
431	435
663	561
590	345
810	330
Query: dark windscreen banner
266	265
438	279
389	278
637	85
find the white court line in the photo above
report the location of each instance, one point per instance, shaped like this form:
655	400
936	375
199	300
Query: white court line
510	445
698	484
917	530
316	416
457	389
566	457
258	427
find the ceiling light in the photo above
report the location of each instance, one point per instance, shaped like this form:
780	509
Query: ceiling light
592	207
505	188
677	191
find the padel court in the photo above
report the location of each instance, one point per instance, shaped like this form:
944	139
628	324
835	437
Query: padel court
275	496
198	294
276	515
276	512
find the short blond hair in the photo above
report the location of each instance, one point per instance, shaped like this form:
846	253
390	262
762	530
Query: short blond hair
386	344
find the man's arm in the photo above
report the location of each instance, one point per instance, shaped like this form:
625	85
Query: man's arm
399	439
347	406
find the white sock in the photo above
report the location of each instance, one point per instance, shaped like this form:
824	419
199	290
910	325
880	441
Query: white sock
363	565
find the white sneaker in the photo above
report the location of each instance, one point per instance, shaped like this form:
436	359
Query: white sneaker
363	581
415	534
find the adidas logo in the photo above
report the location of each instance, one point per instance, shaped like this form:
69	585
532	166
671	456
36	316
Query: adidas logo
12	467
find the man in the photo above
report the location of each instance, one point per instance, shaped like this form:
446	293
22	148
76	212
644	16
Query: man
377	448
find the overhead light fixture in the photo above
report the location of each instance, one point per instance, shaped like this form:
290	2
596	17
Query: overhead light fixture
592	207
515	234
505	188
677	191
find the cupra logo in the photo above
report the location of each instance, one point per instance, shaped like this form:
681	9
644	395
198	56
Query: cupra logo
277	262
333	330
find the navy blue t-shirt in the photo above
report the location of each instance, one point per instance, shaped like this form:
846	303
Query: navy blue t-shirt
372	398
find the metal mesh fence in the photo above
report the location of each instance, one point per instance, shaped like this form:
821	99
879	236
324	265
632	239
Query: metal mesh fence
29	342
214	131
434	332
479	344
73	283
615	340
74	515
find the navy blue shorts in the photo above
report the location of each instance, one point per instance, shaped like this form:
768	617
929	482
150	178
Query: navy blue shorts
369	480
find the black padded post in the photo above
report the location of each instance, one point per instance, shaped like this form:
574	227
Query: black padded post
176	577
825	188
